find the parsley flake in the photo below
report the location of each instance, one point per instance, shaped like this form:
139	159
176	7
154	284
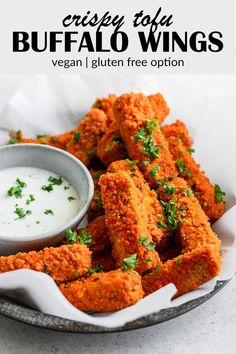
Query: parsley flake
132	164
129	262
22	213
180	164
48	211
76	136
154	170
31	199
71	198
219	194
169	189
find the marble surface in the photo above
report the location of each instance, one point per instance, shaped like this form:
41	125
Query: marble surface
210	328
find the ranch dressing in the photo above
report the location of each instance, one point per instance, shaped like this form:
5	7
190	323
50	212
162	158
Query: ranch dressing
34	201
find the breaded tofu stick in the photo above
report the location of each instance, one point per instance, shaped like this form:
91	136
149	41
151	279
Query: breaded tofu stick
111	146
179	130
126	222
143	138
97	229
193	227
196	179
159	106
200	260
106	105
81	142
90	131
96	207
104	292
188	271
59	141
154	212
63	263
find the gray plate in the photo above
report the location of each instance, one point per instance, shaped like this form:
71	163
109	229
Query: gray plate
24	314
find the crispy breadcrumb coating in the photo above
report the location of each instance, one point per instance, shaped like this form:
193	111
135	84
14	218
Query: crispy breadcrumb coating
59	141
143	138
200	259
196	179
188	271
193	227
106	105
63	263
159	106
104	292
111	147
126	221
81	142
100	236
179	130
91	129
153	210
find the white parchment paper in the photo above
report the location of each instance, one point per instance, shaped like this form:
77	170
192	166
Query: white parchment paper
207	104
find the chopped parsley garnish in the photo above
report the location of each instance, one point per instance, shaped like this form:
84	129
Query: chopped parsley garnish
31	199
66	187
180	164
37	222
148	148
149	259
84	238
187	171
144	240
219	194
98	201
71	198
178	261
47	188
13	140
76	136
71	236
129	262
22	213
55	181
188	192
15	137
92	153
169	189
151	125
21	183
161	225
154	170
39	136
139	136
98	269
48	211
15	191
162	182
145	163
190	150
170	213
132	164
44	143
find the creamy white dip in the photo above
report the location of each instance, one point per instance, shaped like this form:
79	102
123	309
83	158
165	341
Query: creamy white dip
34	201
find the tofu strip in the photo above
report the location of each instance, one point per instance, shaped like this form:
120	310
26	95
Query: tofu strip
126	221
104	292
196	179
143	138
62	263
